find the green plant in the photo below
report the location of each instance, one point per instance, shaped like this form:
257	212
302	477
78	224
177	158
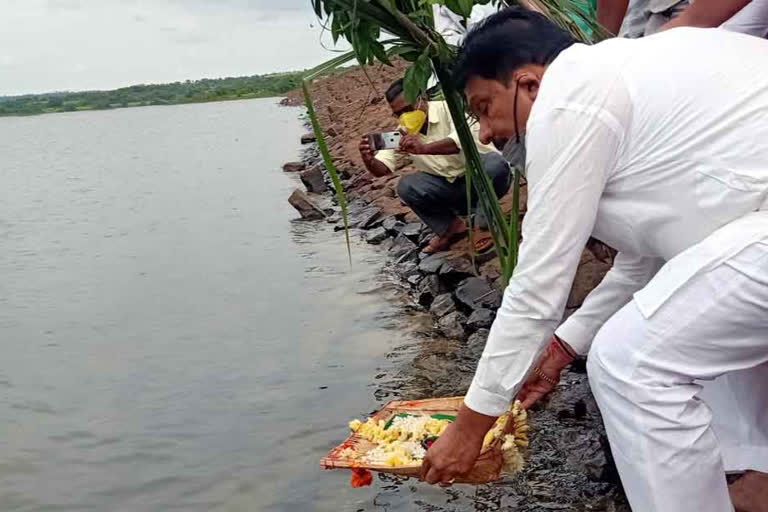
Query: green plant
414	38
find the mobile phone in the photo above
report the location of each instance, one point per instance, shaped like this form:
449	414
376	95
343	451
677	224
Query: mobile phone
385	140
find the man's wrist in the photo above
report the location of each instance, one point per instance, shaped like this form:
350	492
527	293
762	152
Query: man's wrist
473	424
561	354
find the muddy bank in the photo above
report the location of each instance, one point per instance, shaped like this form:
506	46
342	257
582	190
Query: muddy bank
569	466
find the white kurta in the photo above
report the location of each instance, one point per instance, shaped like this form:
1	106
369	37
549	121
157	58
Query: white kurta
650	145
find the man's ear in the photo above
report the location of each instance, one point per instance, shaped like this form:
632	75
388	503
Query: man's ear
528	80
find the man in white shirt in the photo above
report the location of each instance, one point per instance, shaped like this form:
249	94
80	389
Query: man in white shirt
662	153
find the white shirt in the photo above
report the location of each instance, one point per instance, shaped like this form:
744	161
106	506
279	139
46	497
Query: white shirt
751	19
649	146
449	24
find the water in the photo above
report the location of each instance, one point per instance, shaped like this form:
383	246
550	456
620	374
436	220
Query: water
169	338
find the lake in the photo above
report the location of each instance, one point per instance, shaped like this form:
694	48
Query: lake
172	339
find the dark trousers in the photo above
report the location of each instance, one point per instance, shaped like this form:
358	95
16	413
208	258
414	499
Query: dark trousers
437	201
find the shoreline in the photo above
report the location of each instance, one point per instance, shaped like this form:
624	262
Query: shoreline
570	454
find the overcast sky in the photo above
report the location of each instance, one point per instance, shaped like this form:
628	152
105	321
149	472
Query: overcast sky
55	45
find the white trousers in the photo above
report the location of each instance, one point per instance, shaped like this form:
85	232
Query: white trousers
684	393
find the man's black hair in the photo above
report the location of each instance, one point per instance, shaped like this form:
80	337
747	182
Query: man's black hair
503	42
394	90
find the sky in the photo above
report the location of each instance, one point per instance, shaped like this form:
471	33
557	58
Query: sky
66	45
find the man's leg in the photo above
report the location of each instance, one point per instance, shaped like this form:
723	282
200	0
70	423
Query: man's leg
643	373
431	198
498	170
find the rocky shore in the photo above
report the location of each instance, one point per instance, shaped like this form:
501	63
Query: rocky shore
569	466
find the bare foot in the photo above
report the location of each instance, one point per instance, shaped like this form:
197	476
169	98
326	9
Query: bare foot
750	492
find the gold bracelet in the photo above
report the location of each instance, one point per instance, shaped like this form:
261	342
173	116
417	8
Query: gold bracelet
545	378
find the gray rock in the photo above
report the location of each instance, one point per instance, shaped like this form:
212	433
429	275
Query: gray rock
314	180
476	342
414	279
475	292
293	166
393	225
481	318
308	137
305	206
366	219
442	305
457	268
432	263
412	230
356	206
403	248
407	269
429	288
452	325
376	236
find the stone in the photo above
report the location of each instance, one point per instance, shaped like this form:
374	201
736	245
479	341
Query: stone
429	288
457	267
366	219
403	248
481	319
356	206
294	166
476	342
305	206
376	236
314	180
392	225
432	263
414	279
475	292
412	230
308	137
442	305
407	269
452	325
361	179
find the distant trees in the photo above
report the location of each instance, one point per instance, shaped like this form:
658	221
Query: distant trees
189	91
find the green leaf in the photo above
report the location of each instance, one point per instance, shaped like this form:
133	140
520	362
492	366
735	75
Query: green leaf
329	165
466	7
378	50
417	77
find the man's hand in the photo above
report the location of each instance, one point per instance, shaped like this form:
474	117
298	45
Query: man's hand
412	145
547	372
456	450
366	152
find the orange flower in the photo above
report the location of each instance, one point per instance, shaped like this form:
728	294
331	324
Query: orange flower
361	477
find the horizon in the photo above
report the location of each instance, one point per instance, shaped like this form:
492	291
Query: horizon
46	93
50	46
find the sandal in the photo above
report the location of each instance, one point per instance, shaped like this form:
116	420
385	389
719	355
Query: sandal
483	242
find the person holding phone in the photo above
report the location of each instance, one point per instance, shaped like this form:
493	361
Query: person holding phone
436	192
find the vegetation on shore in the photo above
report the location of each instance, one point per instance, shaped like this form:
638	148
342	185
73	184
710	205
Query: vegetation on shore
189	91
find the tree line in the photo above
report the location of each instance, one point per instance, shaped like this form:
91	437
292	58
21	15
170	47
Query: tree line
189	91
